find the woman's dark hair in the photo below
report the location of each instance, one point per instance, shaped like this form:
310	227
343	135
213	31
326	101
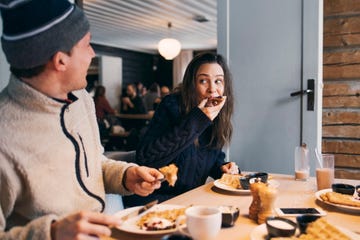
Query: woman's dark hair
99	92
222	127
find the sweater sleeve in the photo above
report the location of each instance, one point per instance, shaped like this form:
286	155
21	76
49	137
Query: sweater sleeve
169	133
113	174
10	189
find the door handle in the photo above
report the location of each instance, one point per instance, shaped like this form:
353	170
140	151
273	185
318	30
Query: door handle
310	94
293	94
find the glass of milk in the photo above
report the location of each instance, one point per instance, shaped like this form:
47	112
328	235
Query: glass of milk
325	171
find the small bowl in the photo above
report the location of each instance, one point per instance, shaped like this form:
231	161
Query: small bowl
280	227
250	178
229	215
176	237
343	188
304	220
358	190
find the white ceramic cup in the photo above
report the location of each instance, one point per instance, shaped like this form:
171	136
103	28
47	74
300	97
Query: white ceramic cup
325	172
202	222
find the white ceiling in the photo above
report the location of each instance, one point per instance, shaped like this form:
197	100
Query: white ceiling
140	24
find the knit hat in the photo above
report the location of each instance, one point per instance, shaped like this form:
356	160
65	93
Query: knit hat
34	30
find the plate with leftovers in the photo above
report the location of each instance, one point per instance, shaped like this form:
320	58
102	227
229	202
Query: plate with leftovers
261	233
226	184
226	187
160	219
342	201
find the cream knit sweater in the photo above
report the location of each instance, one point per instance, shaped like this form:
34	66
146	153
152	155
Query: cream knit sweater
51	161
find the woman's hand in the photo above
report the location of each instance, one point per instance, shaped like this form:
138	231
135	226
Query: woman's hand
83	225
211	110
230	168
142	180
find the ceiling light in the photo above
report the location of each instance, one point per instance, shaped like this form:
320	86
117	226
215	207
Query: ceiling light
169	48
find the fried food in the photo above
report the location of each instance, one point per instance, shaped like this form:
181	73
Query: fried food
160	220
322	230
170	173
339	198
319	230
232	180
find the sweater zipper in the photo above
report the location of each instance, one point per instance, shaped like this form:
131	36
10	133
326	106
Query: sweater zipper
77	158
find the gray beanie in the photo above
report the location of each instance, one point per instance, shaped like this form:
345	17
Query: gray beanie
34	30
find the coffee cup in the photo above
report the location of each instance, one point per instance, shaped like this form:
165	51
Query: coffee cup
325	171
202	222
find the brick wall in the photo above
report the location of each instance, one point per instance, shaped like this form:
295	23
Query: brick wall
341	93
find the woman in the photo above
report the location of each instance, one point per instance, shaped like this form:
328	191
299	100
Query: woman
102	106
189	129
102	110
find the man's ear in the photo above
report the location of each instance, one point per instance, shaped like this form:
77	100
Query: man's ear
60	61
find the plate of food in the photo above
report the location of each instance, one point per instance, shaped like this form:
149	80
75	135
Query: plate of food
350	203
260	233
160	219
231	183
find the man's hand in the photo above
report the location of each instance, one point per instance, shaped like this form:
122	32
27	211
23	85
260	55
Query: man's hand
142	180
83	225
210	109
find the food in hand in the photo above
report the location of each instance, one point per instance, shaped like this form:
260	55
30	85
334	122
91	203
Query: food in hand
339	198
160	220
213	101
170	173
232	180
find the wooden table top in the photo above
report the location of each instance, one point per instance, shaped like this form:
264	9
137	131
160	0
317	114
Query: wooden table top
291	193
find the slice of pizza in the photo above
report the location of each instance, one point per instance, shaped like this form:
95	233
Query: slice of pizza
170	173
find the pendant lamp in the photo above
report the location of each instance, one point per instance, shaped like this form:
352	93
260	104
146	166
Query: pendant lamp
169	48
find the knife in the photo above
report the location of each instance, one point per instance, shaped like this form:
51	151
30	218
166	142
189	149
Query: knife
139	211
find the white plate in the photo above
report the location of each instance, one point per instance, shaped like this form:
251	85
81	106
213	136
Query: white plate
340	206
218	184
260	233
131	226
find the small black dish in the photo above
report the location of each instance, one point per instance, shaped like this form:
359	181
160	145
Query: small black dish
358	190
229	215
343	188
304	220
176	237
280	227
250	178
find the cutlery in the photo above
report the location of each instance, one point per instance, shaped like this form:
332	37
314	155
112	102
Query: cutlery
139	211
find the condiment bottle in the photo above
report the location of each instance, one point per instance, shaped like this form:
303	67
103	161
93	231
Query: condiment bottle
267	197
256	202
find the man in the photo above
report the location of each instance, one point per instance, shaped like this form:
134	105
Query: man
53	174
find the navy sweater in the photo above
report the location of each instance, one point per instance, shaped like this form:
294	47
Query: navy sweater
170	138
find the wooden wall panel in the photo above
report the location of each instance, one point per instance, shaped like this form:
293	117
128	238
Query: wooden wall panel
342	131
341	146
341	7
340	117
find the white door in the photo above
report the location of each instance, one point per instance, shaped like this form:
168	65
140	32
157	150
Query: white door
273	48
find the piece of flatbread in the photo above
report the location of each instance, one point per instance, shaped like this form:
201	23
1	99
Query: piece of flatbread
170	173
340	198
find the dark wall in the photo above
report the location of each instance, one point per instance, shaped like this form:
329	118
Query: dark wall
140	67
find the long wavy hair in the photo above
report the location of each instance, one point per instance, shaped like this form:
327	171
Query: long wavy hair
221	131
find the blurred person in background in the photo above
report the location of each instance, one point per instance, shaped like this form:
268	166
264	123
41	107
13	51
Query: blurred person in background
151	96
104	112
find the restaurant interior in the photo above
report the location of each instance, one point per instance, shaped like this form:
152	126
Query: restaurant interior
278	51
337	137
